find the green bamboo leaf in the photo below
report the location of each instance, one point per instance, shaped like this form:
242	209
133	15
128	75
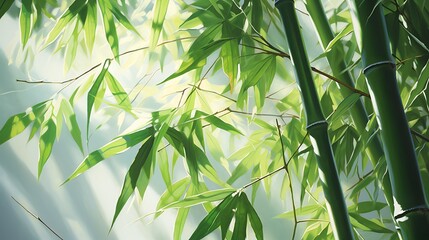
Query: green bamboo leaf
256	70
306	210
118	92
109	28
122	19
25	20
159	13
197	58
367	206
176	139
39	111
4	6
240	225
71	48
208	196
362	184
257	15
172	194
179	224
372	225
15	125
323	234
242	168
93	92
347	30
230	59
254	219
71	123
343	107
420	86
90	26
205	167
164	168
142	160
116	146
65	18
46	141
219	123
214	219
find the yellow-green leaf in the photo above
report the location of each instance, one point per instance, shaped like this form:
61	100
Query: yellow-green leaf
159	13
25	20
46	141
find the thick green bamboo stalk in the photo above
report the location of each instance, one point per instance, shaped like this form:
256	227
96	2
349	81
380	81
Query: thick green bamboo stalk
411	209
340	71
316	124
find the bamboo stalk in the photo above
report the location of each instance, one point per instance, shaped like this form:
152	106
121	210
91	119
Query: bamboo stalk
411	208
316	124
340	71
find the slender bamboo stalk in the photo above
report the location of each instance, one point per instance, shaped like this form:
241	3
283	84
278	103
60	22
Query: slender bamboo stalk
340	71
316	124
411	208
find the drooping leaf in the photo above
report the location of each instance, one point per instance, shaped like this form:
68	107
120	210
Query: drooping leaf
214	219
90	26
46	141
116	146
256	70
25	20
121	18
141	161
109	28
4	6
420	86
367	224
347	30
118	92
182	215
172	194
219	123
367	206
93	92
230	60
240	224
15	125
71	122
345	105
159	13
254	219
65	18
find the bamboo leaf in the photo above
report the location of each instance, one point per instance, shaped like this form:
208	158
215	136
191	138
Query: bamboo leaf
71	123
90	26
230	59
109	28
367	224
256	70
179	224
25	20
65	18
347	30
208	196
214	219
15	125
217	122
197	58
306	210
4	6
159	13
118	92
116	146
343	107
254	219
420	86
122	19
46	141
367	206
141	160
93	92
172	194
240	225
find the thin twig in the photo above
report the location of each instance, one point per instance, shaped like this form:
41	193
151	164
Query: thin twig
289	178
38	218
283	115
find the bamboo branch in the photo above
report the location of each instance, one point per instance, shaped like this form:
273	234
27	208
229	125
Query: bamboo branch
38	218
